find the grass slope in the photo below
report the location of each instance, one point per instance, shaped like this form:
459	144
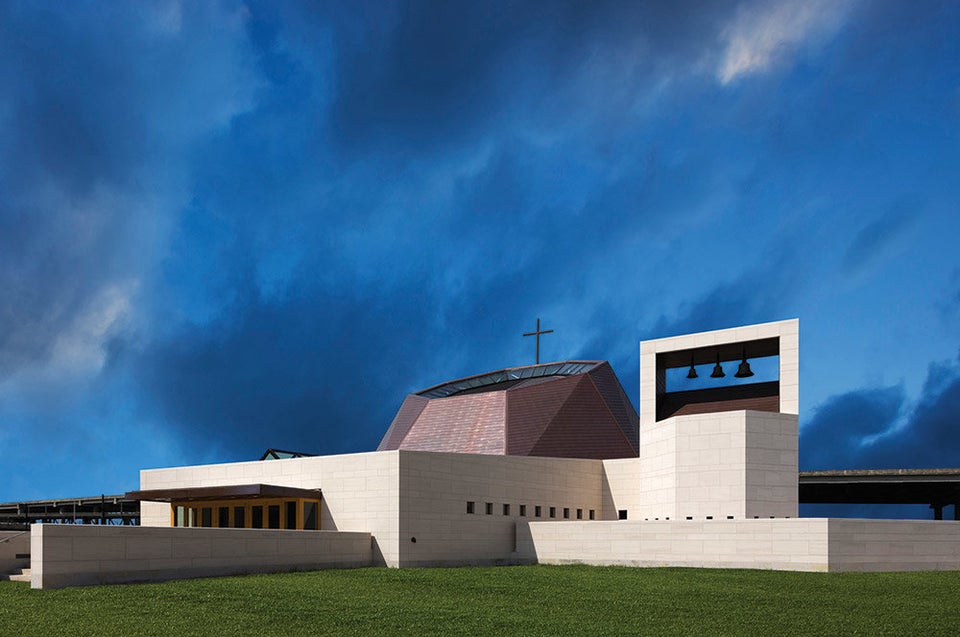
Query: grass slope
527	600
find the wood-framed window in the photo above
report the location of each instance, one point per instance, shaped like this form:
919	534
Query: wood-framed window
302	514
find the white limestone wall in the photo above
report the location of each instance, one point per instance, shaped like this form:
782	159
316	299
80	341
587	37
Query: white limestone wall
789	333
435	489
711	465
12	544
780	544
894	545
360	491
771	465
658	470
799	544
621	488
79	555
154	514
736	464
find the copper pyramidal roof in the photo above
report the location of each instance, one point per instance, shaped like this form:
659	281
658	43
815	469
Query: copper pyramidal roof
572	409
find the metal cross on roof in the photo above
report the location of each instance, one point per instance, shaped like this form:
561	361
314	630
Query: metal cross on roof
537	333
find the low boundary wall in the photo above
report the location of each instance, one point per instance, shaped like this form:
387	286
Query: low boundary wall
12	544
76	555
894	545
799	544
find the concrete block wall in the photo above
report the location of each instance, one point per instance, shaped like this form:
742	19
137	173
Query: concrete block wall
78	555
360	491
12	544
435	489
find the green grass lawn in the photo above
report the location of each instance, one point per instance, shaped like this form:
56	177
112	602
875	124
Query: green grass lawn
522	600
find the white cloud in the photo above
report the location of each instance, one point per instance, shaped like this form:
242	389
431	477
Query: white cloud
48	387
762	37
82	347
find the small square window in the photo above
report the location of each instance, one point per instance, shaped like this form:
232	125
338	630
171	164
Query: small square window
537	511
523	510
593	514
489	507
566	513
506	509
553	512
579	514
622	514
470	506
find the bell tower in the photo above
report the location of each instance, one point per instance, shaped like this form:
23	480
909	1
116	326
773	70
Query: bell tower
722	450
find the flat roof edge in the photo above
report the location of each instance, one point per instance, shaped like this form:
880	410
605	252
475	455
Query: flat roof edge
190	494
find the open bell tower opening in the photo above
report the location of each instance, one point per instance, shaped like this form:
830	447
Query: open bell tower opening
728	451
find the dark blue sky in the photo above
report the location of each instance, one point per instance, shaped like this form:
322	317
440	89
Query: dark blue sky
228	226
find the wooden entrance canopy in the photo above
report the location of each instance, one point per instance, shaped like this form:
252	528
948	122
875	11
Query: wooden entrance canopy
228	492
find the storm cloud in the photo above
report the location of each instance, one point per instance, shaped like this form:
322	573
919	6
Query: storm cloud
226	226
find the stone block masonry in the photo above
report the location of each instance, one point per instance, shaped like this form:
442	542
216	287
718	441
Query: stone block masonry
799	544
78	555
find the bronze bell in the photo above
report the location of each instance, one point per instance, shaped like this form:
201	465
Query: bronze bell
693	370
744	370
717	370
